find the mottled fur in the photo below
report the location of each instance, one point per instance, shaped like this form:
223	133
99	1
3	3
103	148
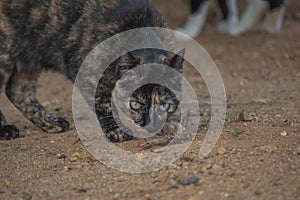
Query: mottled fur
57	35
149	96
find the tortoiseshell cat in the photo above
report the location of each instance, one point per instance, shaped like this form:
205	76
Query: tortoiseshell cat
150	103
57	35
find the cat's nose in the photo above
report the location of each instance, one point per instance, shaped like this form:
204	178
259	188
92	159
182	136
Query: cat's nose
154	123
147	121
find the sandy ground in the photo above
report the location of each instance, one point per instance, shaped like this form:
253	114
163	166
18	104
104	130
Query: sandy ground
262	79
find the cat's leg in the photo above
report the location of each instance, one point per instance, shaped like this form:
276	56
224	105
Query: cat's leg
255	10
7	132
273	21
196	19
21	90
109	126
230	22
112	131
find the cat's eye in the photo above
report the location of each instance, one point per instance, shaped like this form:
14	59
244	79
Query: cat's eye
135	105
164	107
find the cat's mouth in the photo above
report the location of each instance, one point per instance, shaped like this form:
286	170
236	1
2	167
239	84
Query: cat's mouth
151	124
155	121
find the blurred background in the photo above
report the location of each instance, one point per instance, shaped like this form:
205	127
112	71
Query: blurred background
176	11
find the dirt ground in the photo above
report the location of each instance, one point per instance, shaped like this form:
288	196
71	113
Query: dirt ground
256	157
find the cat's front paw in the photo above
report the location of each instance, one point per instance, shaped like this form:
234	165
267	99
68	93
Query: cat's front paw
118	136
57	125
8	132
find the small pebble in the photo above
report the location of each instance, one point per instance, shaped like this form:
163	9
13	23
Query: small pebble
75	156
247	116
58	109
209	166
157	149
80	190
26	196
174	186
226	195
284	133
189	180
258	192
61	156
92	159
221	151
66	168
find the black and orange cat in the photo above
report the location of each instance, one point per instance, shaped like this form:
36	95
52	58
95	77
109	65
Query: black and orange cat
37	35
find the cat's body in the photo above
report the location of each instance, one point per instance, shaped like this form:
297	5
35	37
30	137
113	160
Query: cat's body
57	35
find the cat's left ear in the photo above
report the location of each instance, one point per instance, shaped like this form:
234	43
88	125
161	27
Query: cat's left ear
176	62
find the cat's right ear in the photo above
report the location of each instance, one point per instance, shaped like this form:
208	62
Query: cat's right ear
177	61
125	62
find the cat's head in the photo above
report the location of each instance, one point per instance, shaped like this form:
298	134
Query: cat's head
152	104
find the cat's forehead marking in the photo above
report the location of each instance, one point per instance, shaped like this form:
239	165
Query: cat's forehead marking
157	95
36	14
141	97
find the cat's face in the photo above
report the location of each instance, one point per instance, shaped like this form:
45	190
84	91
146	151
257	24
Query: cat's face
152	105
